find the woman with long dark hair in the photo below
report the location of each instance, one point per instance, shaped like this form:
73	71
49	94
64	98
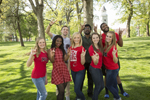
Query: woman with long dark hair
96	52
60	73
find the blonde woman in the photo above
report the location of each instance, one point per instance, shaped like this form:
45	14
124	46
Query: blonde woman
39	77
77	60
110	60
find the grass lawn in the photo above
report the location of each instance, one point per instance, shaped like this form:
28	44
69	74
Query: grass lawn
16	83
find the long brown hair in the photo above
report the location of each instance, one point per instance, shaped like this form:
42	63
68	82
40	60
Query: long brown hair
112	43
37	47
100	47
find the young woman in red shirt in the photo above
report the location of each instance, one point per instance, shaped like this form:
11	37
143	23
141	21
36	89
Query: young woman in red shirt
60	73
110	60
39	77
96	52
77	60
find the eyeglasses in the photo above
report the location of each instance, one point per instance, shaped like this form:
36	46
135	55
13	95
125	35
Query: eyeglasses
87	28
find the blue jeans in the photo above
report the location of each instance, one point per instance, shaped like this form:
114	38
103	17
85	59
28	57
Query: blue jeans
97	77
78	79
40	85
111	82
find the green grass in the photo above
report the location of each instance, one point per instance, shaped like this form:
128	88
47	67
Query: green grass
16	83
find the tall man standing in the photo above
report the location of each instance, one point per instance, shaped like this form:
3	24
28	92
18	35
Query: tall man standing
64	31
86	42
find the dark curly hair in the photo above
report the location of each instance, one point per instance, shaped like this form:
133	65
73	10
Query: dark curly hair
61	46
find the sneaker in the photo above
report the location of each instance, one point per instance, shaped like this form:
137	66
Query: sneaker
106	95
125	94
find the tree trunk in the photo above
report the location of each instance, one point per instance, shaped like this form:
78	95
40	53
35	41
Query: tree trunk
40	24
129	18
38	11
147	28
18	25
16	36
88	12
21	40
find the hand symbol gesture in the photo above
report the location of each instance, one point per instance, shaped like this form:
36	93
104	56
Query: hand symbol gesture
68	52
120	32
95	27
52	52
96	56
33	51
83	52
82	26
114	51
52	22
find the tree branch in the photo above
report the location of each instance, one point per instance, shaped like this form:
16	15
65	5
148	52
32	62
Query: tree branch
33	7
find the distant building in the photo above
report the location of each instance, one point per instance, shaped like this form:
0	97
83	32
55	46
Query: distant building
104	16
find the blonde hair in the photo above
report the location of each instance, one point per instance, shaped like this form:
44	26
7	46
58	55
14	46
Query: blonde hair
37	47
112	43
72	42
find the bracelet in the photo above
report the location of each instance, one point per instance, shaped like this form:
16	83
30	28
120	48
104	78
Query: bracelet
50	24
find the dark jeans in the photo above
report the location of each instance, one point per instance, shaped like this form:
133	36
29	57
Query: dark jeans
111	82
97	77
90	80
78	80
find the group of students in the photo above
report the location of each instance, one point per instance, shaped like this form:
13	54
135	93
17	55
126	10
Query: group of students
94	52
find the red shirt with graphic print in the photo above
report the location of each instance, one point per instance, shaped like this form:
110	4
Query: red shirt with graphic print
75	59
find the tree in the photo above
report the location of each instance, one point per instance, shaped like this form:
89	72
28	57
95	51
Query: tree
38	11
88	12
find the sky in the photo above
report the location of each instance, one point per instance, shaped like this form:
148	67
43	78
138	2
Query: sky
111	13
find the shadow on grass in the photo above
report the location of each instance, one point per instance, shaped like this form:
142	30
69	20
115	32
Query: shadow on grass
4	55
22	95
7	61
138	88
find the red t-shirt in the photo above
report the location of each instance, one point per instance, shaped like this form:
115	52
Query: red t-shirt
104	37
108	59
75	59
39	69
91	52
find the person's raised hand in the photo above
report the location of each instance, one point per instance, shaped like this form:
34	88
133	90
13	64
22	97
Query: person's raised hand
33	51
83	52
52	22
95	27
114	51
52	52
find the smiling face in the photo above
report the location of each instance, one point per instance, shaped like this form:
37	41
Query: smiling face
109	38
77	39
64	31
105	28
95	39
41	43
58	42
